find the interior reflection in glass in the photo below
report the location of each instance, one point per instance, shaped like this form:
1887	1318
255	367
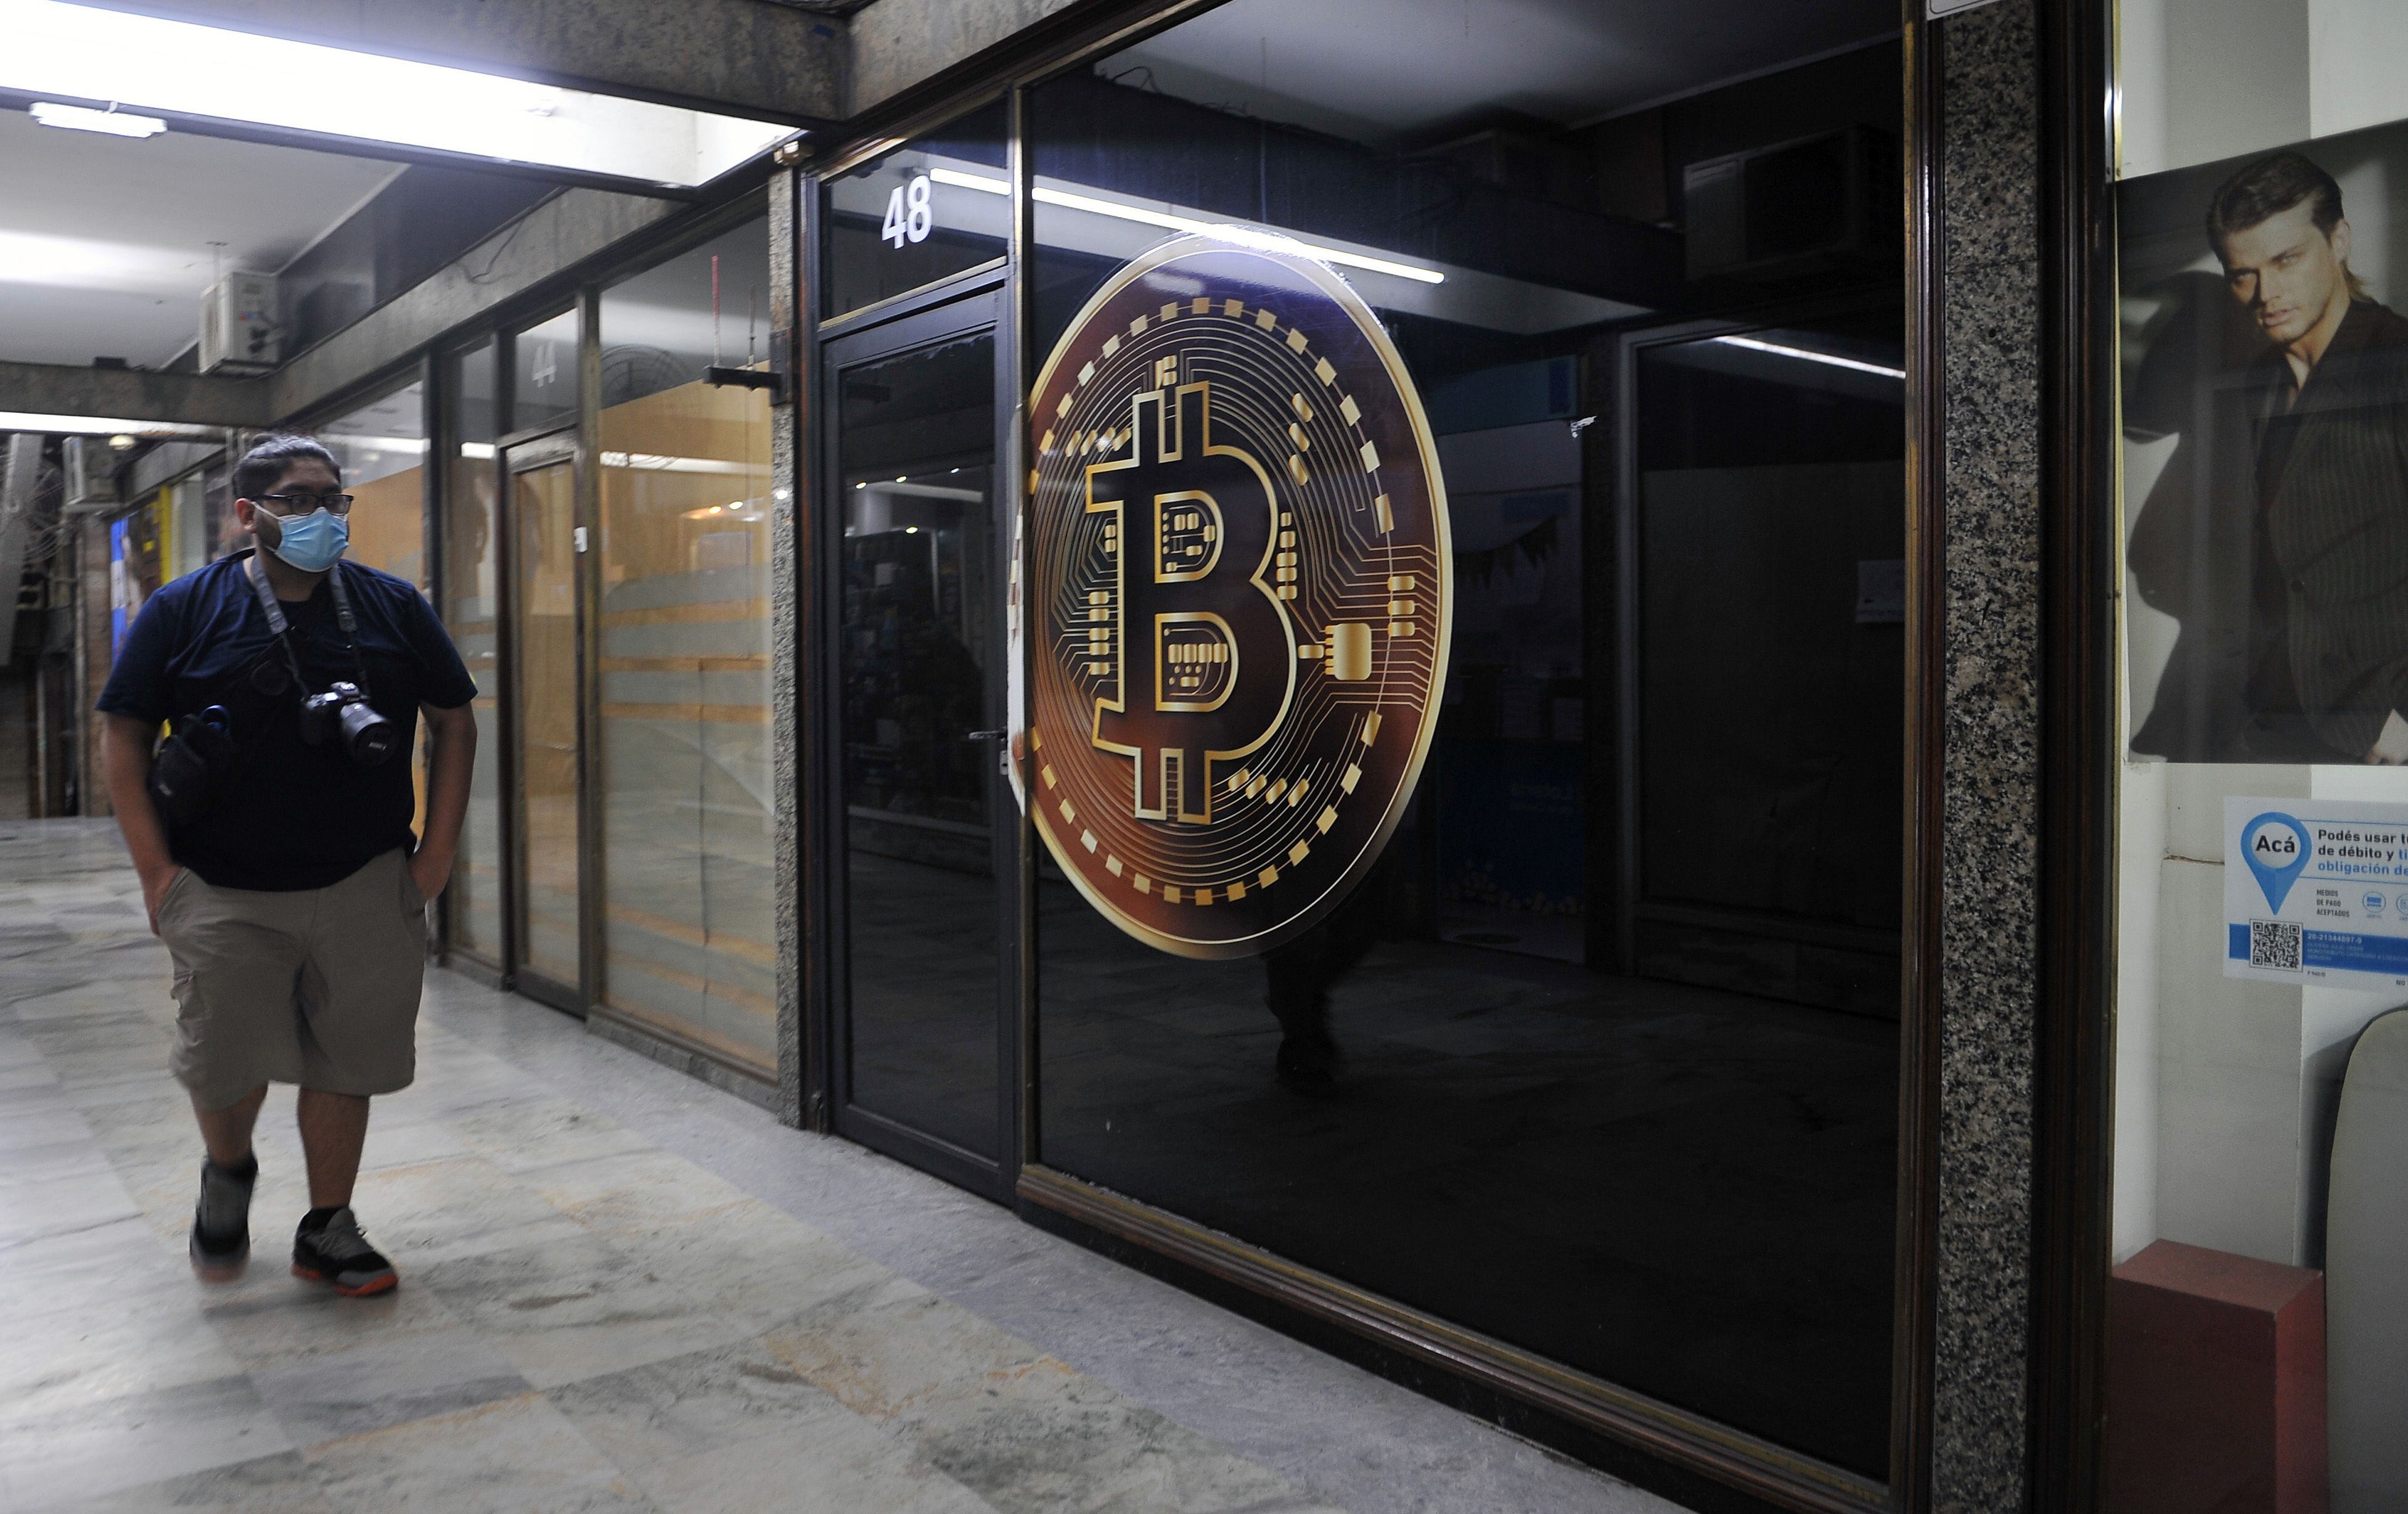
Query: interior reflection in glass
921	563
1601	1059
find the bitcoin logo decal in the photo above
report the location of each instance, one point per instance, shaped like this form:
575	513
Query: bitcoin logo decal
1240	591
1214	663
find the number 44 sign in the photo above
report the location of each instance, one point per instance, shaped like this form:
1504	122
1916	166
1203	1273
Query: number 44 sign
907	215
2315	891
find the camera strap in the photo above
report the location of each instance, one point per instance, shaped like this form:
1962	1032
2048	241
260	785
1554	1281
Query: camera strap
282	627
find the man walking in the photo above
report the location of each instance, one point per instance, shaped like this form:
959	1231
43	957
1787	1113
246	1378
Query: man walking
283	875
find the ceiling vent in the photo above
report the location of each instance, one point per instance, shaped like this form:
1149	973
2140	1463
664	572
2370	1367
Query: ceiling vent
240	330
1794	209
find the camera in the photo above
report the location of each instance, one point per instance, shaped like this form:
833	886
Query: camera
342	715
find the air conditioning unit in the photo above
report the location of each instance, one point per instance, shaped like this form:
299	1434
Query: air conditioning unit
1795	208
92	474
239	329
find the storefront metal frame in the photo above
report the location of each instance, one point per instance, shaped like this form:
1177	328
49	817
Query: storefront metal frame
931	313
2081	531
1690	1443
1913	1324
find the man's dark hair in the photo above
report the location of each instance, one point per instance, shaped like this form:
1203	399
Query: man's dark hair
2265	189
263	466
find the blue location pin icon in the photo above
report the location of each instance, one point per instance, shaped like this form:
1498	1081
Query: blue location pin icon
2276	846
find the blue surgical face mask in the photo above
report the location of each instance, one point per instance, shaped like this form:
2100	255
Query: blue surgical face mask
313	542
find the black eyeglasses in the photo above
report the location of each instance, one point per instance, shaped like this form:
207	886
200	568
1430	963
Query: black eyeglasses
303	504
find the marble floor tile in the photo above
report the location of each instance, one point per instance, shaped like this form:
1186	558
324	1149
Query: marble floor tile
1040	1436
132	1342
284	1483
573	1308
689	1405
541	1132
78	1451
753	1263
38	1117
892	1345
92	1265
392	1381
21	1077
509	1457
60	1205
270	1318
407	1143
834	1465
453	1206
634	1193
67	1158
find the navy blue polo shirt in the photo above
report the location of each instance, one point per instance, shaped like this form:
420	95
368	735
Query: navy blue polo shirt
295	816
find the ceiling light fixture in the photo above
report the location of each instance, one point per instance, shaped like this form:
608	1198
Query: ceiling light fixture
1808	355
99	425
112	121
1047	194
62	51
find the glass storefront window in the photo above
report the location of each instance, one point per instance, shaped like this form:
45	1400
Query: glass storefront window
546	369
381	447
926	210
1599	1056
469	608
2257	1312
689	943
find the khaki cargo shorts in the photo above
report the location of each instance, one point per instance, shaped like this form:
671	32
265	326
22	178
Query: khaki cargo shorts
318	987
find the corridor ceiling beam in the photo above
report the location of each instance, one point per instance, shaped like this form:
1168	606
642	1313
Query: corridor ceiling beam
773	61
132	394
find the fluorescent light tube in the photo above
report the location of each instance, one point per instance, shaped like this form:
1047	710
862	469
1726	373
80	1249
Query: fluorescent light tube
1047	194
1810	356
114	121
96	425
56	50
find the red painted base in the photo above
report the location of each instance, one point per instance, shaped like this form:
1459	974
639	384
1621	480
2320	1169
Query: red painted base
2216	1385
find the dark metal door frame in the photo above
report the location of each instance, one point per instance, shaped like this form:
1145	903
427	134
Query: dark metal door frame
1615	836
520	454
968	305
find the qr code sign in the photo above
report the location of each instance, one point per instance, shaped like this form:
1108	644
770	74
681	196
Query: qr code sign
2274	943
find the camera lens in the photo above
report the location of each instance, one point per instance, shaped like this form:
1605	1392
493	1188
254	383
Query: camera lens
369	737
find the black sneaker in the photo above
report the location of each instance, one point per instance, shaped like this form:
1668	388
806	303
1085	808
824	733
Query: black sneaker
336	1252
220	1241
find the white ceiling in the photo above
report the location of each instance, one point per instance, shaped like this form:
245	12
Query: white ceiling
1413	65
105	240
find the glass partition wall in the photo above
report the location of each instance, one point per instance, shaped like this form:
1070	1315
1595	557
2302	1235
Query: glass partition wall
471	601
380	445
2258	1307
689	943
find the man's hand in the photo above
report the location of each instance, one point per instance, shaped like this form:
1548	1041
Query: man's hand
156	881
430	871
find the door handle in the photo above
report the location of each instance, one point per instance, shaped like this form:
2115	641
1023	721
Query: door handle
986	735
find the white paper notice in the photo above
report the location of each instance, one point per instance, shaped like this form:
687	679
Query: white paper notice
2315	891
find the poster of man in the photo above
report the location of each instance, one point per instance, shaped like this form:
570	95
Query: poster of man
2266	432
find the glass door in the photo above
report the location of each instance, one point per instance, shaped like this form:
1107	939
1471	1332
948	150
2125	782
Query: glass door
547	742
922	1034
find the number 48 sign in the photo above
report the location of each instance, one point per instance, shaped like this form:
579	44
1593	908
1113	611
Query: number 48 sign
907	219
